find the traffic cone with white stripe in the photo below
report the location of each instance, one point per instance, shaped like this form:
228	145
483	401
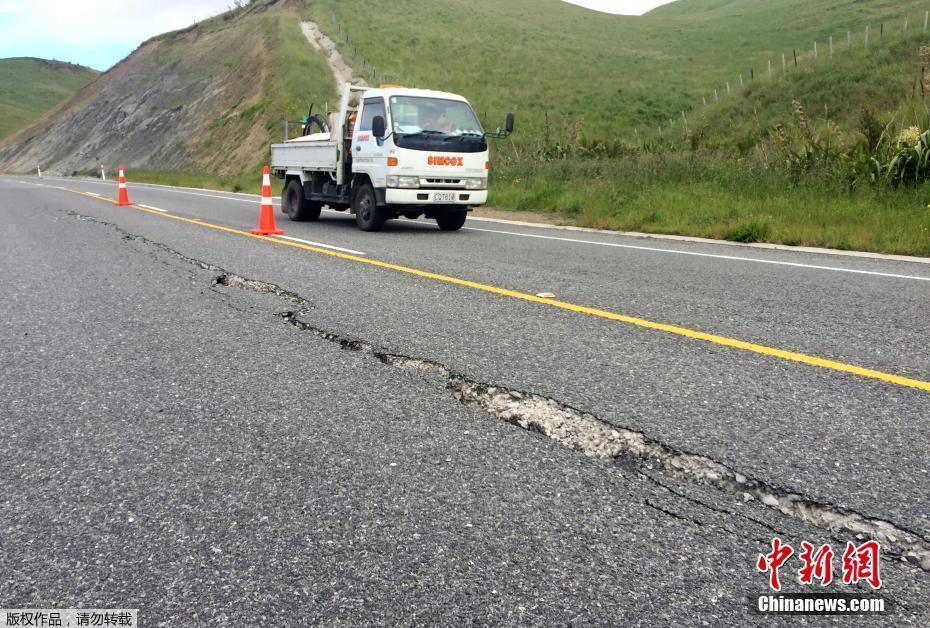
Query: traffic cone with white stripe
266	224
123	200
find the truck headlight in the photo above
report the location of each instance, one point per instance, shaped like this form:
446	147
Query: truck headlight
395	181
476	184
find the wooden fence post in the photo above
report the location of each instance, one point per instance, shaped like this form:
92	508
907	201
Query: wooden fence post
926	19
795	51
831	45
784	65
815	51
866	36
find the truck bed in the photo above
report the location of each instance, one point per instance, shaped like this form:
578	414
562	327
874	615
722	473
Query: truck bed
309	155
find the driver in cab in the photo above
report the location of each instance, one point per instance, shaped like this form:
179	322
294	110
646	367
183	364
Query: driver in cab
434	119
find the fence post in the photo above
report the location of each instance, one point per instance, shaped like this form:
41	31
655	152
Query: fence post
926	19
770	69
728	88
815	51
740	80
716	95
905	23
795	51
831	45
784	65
881	31
866	36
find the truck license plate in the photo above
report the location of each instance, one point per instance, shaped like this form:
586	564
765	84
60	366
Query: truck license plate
444	197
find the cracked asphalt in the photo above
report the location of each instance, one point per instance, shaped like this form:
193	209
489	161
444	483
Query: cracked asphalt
170	444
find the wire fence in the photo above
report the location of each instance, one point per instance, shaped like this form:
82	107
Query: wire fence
779	66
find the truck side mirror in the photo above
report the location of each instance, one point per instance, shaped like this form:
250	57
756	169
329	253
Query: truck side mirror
378	127
509	124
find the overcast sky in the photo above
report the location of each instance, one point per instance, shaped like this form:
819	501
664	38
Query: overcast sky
98	33
625	7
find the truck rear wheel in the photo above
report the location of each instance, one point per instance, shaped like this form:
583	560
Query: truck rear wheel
296	205
452	220
368	215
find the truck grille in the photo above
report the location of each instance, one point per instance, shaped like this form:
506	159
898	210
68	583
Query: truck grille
442	183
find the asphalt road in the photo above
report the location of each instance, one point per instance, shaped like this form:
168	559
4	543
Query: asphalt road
171	443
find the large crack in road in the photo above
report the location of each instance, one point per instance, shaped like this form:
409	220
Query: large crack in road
583	431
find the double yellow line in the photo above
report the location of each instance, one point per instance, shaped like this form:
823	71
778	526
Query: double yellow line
562	305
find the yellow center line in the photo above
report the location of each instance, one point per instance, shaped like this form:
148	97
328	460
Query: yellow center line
571	307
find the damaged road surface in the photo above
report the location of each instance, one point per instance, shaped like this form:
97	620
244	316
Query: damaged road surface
217	430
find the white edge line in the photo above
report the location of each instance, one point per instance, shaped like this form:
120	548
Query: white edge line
696	254
320	244
696	240
164	211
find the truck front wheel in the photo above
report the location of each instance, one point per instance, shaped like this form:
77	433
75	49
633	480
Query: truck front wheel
297	206
368	215
451	220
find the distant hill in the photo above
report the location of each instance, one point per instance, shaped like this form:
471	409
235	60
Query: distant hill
209	98
30	87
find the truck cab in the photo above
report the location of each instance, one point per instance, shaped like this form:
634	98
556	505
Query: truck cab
392	152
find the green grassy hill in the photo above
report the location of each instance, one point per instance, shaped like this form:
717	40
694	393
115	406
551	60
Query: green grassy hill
615	73
30	87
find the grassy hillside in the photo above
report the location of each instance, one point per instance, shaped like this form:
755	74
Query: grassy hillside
615	73
30	87
206	99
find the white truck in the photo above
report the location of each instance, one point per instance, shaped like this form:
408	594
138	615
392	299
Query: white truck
388	152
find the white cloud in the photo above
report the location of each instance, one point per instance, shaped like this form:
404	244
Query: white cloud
622	7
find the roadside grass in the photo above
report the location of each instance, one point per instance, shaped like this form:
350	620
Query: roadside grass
700	196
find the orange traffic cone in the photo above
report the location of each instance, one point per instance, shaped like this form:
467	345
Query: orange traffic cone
266	224
123	200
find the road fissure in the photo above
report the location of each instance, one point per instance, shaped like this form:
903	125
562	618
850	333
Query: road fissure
583	431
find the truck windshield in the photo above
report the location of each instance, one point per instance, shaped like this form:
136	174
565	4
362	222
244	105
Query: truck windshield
436	124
